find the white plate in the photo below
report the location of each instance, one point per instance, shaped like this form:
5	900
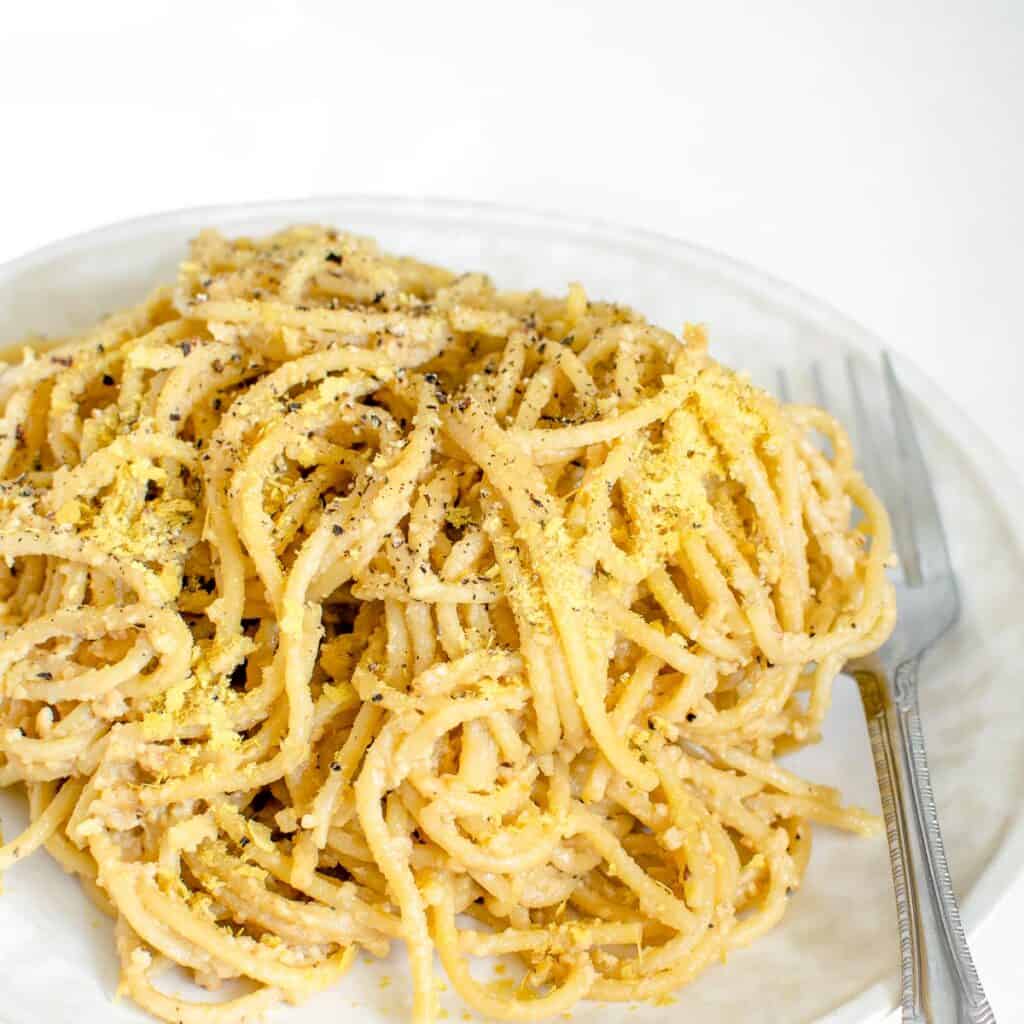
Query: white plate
834	955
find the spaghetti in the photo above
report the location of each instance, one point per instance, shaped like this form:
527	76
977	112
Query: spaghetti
345	600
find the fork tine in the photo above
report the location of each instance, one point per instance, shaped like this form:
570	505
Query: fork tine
818	378
782	382
821	399
924	523
863	430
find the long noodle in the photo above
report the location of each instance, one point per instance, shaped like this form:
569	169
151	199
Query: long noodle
344	600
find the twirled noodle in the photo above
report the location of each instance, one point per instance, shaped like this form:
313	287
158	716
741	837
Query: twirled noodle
345	600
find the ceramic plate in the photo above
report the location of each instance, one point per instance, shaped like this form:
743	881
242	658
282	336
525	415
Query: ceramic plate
834	956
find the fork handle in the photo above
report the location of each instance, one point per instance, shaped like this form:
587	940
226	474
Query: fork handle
939	982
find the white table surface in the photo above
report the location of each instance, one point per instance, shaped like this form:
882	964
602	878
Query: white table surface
869	152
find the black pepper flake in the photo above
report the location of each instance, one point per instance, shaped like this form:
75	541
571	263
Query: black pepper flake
186	347
218	366
244	841
44	675
294	406
61	360
151	490
217	403
335	767
337	530
108	381
378	297
174	417
334	257
377	698
690	716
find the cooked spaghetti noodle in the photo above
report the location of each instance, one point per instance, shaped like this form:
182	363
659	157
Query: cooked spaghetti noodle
345	601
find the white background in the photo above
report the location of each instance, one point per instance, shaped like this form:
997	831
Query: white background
869	152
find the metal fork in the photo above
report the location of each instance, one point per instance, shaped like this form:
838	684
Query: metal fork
939	981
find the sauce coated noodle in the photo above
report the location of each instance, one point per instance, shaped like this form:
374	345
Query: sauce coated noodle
346	601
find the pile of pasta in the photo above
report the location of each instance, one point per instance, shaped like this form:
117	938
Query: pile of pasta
347	601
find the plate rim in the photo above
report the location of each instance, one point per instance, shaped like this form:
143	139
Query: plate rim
1006	866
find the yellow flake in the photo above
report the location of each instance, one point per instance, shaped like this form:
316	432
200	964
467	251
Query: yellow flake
69	513
459	517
